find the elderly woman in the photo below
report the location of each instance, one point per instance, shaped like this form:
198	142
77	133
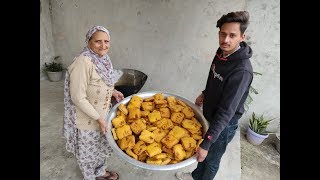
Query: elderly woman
88	89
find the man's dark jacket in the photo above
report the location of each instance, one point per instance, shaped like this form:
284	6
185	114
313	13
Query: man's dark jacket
226	90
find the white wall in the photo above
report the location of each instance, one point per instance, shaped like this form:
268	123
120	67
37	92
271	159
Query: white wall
46	39
264	36
174	41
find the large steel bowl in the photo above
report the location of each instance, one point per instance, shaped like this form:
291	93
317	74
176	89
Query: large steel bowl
113	144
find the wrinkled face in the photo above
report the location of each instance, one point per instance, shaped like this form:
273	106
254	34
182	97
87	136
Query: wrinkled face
230	37
99	43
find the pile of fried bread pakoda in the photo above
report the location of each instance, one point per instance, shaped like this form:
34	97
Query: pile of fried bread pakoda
157	130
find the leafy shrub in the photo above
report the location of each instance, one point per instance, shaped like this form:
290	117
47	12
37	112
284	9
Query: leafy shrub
53	66
259	124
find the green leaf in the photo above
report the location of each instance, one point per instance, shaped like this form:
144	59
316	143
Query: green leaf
52	67
253	90
256	73
249	99
259	124
255	125
251	123
246	107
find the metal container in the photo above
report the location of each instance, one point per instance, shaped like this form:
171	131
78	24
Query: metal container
131	81
112	114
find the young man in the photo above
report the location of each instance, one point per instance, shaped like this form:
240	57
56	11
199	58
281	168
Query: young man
227	88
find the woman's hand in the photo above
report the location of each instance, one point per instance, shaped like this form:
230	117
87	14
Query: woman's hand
103	126
199	100
117	95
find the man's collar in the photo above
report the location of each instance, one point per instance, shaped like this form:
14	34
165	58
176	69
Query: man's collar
231	53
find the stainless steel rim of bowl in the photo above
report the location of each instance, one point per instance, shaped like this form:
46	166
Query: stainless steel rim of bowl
115	147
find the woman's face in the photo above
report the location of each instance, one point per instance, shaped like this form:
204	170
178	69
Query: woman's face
99	43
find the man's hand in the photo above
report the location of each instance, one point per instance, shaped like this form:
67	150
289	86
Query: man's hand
199	100
117	95
201	154
103	126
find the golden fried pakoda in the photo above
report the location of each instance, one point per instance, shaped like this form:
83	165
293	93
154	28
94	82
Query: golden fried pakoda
134	113
130	153
160	102
165	161
135	101
160	156
171	101
118	121
181	103
147	106
153	161
196	136
123	109
114	134
149	99
158	97
188	154
143	156
196	121
167	150
120	113
139	147
169	141
146	136
191	126
165	127
138	126
153	149
127	142
165	112
154	116
177	117
158	106
144	113
179	152
188	143
151	128
159	134
187	111
123	131
176	108
170	155
164	124
178	132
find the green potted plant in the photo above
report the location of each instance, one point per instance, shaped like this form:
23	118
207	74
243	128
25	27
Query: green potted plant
251	90
256	131
54	69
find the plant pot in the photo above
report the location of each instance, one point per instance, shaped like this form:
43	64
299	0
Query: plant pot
255	138
54	76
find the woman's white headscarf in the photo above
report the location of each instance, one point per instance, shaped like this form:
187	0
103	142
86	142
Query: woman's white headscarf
103	64
104	68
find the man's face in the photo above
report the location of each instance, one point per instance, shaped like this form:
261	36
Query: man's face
230	37
99	43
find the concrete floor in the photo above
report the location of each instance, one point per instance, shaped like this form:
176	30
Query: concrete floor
57	163
259	162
